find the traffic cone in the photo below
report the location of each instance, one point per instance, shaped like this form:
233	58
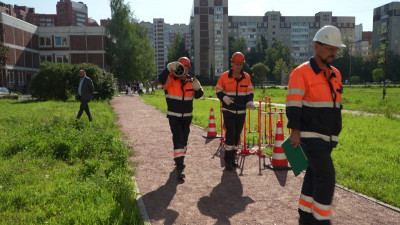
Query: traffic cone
212	129
279	160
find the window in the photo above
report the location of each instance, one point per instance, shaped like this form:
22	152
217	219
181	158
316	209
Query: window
45	41
60	41
62	59
45	58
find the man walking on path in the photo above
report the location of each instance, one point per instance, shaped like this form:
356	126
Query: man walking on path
180	89
235	91
313	107
85	91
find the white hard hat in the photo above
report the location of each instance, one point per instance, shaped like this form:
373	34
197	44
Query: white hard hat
329	35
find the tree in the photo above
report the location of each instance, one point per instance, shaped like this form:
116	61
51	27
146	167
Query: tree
378	75
280	67
3	57
129	54
274	53
260	71
383	33
257	54
177	49
355	79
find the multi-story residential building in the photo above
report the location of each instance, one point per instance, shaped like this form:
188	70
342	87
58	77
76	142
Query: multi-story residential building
363	47
386	26
211	26
296	32
30	45
162	35
209	31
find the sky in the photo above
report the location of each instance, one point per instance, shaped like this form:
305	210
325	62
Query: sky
178	11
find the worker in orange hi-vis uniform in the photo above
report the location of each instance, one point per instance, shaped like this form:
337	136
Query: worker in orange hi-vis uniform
235	91
180	90
313	108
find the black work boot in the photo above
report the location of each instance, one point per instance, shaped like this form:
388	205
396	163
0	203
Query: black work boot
180	167
229	160
234	161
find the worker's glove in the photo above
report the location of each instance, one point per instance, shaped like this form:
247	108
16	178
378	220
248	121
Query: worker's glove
250	105
172	66
196	84
227	100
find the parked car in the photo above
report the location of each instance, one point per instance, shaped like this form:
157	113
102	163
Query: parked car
7	94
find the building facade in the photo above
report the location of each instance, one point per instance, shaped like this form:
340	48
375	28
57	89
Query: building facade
209	32
21	38
386	26
162	35
70	13
30	46
363	46
296	32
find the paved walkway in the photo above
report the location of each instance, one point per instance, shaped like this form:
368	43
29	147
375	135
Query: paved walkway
211	195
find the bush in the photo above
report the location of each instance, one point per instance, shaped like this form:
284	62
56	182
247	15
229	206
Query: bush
51	82
59	81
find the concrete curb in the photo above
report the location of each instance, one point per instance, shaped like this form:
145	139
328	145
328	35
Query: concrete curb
142	207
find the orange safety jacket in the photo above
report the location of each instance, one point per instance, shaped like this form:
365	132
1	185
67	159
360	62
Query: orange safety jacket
240	90
178	94
313	105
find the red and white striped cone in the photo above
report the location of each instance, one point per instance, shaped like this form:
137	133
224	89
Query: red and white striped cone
279	160
212	129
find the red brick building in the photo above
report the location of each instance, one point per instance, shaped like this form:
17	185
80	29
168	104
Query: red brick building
30	45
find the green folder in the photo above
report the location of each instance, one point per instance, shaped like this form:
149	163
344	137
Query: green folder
295	156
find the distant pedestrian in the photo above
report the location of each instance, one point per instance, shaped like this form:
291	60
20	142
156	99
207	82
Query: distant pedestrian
147	84
85	90
313	108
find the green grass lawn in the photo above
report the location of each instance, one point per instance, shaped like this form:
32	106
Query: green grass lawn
367	158
55	170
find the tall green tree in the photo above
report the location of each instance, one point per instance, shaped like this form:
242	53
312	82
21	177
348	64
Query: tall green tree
279	69
130	54
260	71
3	57
275	52
177	49
257	54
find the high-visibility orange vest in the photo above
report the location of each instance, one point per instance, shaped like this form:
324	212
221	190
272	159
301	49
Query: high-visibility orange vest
240	90
313	105
179	96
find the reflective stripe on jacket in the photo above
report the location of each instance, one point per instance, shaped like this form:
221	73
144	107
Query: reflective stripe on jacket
179	95
240	90
313	105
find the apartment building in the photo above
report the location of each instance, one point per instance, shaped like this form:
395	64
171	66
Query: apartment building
386	26
296	32
363	46
209	32
30	46
162	35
